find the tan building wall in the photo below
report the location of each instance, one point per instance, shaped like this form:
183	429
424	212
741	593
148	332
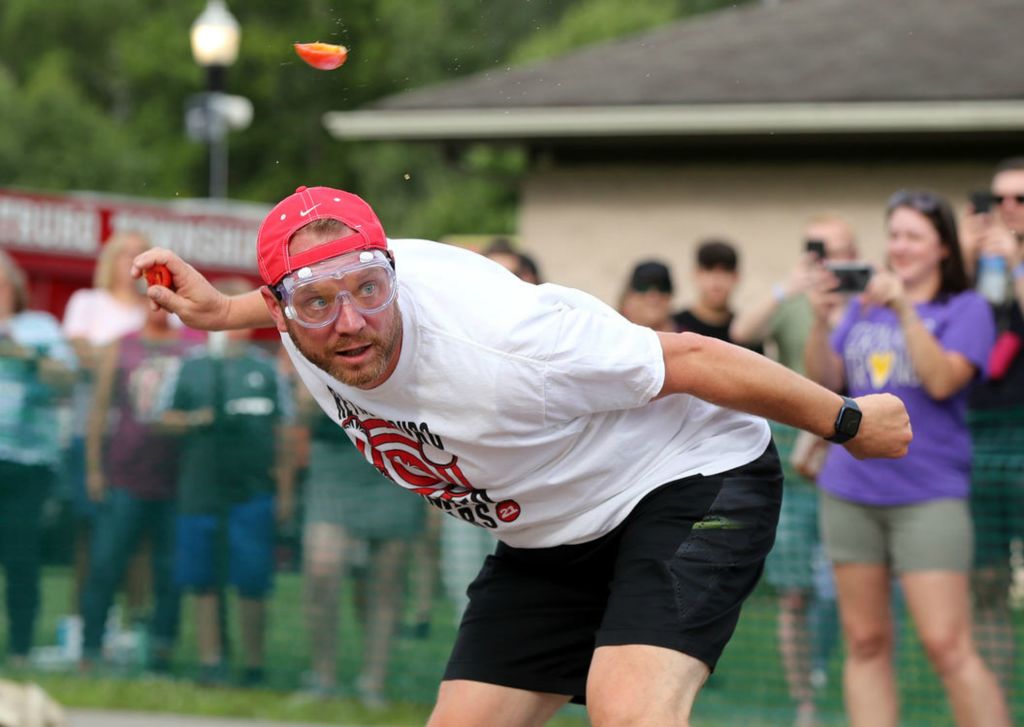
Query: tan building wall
588	225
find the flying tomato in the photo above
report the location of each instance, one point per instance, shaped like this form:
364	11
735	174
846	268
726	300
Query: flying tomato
325	56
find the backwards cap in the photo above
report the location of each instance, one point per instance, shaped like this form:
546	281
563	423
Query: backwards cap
297	211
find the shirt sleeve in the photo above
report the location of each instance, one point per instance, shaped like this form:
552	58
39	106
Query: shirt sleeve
598	361
970	329
42	331
76	314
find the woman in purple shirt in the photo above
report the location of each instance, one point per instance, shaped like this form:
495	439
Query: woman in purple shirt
919	333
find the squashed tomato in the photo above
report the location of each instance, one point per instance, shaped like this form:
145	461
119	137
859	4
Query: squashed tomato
324	56
159	275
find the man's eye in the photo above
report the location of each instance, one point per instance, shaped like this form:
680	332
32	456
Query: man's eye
314	302
367	290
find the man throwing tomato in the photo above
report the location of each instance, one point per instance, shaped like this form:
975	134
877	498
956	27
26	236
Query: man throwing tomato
628	475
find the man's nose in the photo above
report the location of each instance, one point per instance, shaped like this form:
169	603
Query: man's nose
349	320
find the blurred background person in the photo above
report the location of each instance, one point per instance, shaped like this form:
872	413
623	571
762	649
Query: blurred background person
236	478
524	267
132	469
784	316
993	242
808	619
95	317
36	369
647	297
715	277
353	517
920	334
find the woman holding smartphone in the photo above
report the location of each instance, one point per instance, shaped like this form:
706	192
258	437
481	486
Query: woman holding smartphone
919	333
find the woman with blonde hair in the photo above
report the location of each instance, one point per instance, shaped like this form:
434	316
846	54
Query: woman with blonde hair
114	306
94	318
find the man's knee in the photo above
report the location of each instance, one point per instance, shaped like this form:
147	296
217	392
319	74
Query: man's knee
642	685
462	703
621	709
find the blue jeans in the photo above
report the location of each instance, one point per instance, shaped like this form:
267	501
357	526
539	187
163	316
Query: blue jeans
23	490
248	534
121	522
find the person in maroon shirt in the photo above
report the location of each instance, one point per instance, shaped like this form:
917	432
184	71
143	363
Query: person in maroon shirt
133	483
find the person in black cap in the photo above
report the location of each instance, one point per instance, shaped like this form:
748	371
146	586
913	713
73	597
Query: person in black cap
647	299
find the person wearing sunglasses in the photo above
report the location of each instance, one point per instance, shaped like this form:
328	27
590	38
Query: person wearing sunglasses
918	333
997	413
633	514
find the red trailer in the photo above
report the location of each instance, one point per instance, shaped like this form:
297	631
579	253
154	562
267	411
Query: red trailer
55	238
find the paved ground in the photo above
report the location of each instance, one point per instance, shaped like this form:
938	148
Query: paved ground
99	718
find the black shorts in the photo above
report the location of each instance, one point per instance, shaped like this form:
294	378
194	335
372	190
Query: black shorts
673	574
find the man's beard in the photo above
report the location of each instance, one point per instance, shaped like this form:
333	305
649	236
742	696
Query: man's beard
369	374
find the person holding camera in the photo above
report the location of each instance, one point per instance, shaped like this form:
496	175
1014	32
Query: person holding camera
916	332
807	617
993	244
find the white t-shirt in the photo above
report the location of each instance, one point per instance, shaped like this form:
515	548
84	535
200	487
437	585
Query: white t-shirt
526	409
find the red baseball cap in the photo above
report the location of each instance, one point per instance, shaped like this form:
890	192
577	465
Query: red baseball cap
297	211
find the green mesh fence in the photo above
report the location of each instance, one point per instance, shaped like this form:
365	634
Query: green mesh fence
785	657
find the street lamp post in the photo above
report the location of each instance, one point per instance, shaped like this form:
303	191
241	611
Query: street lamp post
215	39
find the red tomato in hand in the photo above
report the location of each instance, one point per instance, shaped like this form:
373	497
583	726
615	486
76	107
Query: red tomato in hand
159	275
324	56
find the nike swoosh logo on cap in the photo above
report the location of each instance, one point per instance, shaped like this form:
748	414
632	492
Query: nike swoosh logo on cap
303	213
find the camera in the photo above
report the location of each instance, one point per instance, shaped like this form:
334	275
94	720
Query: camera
816	248
853	277
981	201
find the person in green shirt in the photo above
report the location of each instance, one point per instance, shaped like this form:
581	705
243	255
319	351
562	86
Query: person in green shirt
808	621
236	479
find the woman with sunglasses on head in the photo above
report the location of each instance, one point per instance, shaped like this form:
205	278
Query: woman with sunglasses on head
993	244
919	333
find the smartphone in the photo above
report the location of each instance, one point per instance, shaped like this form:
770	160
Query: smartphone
981	201
853	277
816	248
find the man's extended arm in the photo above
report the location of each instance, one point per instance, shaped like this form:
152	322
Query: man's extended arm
196	302
736	378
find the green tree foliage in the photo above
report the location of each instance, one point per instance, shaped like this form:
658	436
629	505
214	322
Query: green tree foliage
92	96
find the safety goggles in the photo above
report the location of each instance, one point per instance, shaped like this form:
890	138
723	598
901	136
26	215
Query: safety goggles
313	295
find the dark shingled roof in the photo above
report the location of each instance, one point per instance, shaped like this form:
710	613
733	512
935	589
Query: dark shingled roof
799	51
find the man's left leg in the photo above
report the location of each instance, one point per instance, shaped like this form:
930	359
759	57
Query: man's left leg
690	554
643	686
465	703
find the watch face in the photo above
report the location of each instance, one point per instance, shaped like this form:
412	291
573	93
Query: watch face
849	422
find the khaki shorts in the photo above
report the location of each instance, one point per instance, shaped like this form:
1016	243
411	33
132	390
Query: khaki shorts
934	535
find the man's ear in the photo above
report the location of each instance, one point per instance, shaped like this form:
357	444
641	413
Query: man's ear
274	306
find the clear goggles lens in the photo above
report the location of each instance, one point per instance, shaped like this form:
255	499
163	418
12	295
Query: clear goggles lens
313	295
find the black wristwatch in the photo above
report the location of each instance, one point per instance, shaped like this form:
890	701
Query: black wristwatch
847	422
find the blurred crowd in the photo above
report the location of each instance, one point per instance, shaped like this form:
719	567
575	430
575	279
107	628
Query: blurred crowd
183	456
